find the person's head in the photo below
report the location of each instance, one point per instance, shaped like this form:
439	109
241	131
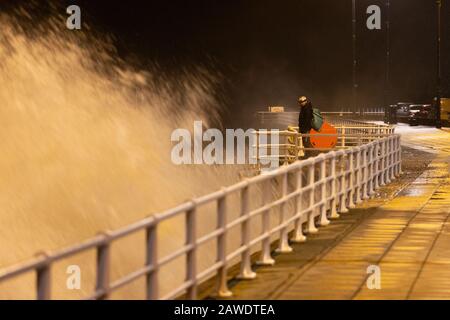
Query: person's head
302	101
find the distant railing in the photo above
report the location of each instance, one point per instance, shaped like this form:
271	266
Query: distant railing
289	118
290	148
320	188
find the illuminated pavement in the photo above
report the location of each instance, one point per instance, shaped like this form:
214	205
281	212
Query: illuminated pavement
405	231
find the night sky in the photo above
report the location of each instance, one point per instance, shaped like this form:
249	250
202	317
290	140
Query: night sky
271	51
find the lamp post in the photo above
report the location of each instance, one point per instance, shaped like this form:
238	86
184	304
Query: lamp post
387	84
438	71
355	85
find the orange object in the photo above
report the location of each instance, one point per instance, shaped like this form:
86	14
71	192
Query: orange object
324	142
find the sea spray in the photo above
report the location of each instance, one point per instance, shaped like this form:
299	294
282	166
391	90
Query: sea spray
85	144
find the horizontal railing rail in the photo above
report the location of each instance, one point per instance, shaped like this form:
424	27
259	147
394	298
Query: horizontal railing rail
290	118
319	188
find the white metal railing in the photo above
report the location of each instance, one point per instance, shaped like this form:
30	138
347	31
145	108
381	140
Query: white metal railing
290	146
320	188
291	117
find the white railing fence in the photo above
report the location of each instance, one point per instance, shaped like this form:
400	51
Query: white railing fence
320	188
290	146
266	118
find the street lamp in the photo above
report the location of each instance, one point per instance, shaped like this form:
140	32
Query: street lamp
388	61
355	85
438	79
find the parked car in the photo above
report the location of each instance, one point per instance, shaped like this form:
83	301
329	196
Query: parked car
421	114
403	110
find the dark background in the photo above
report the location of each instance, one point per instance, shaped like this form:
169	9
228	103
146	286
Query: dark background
271	51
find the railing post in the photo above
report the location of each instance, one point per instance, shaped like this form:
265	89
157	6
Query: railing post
353	166
152	285
222	285
312	191
396	156
283	246
383	162
399	150
298	232
388	160
191	255
301	146
387	179
343	185
387	167
103	268
246	272
257	149
392	158
359	175
372	169
43	279
343	137
323	192
297	149
286	150
377	164
266	258
365	177
334	214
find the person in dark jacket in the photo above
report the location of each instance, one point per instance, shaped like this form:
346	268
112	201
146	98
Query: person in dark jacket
305	119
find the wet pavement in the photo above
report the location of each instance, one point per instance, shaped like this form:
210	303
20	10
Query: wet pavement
403	233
